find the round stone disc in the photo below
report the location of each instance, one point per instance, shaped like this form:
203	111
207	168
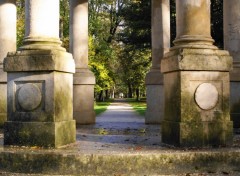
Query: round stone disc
206	96
29	97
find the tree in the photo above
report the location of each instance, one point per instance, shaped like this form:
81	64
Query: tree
135	39
217	22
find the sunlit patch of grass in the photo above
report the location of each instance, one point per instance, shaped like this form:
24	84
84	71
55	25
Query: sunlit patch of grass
139	106
100	107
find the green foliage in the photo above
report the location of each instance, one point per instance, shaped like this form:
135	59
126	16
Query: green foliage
139	106
20	21
100	107
64	23
217	22
136	31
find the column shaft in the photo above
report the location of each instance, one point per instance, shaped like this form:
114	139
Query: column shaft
160	31
193	23
232	44
84	80
42	25
160	45
8	21
42	19
79	32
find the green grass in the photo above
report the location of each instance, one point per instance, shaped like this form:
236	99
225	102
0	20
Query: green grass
100	107
139	106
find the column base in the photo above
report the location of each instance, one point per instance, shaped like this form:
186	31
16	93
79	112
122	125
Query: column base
196	91
40	109
155	98
44	134
83	97
198	134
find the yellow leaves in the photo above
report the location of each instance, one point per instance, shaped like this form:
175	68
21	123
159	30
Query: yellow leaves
102	131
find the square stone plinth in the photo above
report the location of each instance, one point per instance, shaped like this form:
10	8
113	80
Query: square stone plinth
40	98
83	97
197	109
44	134
196	91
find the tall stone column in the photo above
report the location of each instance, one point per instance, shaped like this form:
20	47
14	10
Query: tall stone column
40	83
232	44
8	14
196	82
160	45
83	79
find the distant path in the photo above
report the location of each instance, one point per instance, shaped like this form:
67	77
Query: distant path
120	111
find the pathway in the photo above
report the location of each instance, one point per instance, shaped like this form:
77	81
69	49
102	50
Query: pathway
119	128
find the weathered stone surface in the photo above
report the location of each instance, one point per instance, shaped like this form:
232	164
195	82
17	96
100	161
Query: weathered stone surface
232	44
84	104
44	134
8	20
196	59
160	45
166	162
83	101
193	24
84	79
56	91
154	77
42	18
40	99
185	122
155	106
206	96
39	60
29	96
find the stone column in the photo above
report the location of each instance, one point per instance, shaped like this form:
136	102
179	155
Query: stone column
232	44
196	82
160	45
83	80
40	83
8	14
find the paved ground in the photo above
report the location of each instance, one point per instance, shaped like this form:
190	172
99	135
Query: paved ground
120	128
121	133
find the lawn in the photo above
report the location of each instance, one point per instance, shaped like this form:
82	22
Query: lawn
100	107
139	106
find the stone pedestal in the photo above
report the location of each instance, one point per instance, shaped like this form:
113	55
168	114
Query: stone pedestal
155	97
196	83
83	99
40	83
232	44
8	43
160	45
39	98
196	98
84	79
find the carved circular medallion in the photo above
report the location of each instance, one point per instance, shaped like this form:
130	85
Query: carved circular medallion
29	97
206	96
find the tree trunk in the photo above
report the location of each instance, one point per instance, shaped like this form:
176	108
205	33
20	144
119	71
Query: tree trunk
130	94
137	94
100	96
